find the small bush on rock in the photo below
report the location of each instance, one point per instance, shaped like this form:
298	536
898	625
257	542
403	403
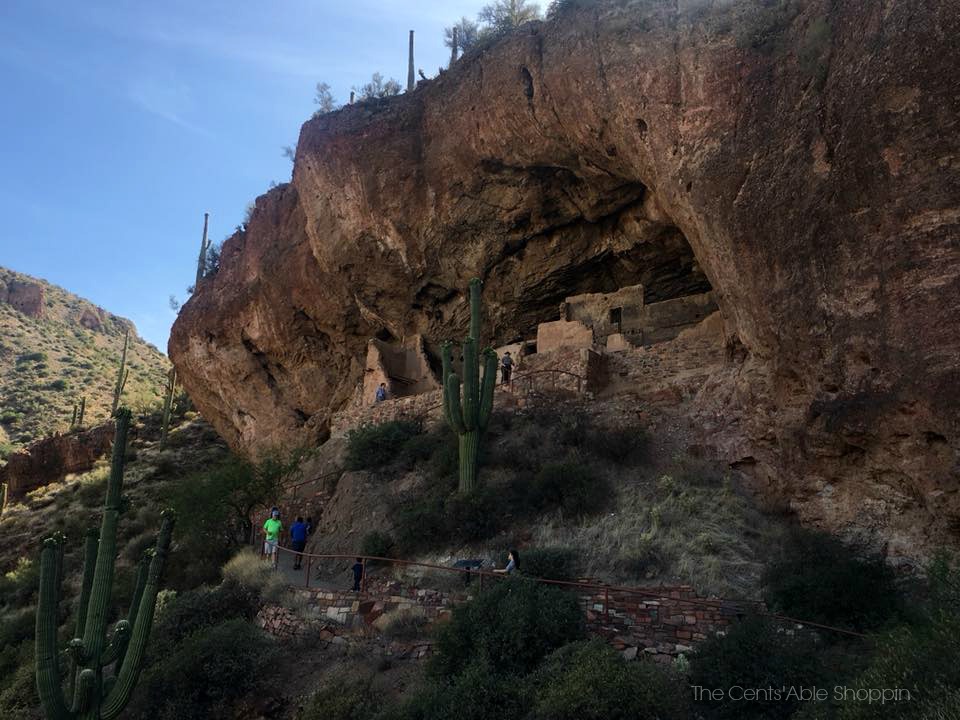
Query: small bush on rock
573	487
371	447
377	544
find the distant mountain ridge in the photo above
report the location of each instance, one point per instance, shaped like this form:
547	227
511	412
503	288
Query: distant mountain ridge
55	348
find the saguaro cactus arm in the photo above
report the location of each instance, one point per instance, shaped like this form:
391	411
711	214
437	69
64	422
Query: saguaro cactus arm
129	671
486	390
121	375
476	285
46	653
471	371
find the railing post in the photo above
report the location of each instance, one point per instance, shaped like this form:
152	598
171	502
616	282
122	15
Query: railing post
309	563
481	580
363	576
606	605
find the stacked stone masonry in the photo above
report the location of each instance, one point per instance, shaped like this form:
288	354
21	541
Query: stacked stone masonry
661	622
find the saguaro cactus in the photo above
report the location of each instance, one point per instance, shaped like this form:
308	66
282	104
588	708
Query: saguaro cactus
454	45
83	409
122	374
3	497
91	694
204	247
469	418
411	77
167	406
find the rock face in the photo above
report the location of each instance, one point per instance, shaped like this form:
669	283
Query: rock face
55	457
802	164
25	297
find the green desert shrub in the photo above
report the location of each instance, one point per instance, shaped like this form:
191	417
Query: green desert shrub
817	577
922	657
478	692
343	698
550	563
589	680
511	626
206	673
756	653
573	487
371	447
199	609
377	544
58	385
406	625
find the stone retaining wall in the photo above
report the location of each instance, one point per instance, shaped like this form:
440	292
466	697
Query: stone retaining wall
661	627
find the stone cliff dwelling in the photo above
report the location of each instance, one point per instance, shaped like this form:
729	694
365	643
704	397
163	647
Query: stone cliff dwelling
609	322
404	367
620	319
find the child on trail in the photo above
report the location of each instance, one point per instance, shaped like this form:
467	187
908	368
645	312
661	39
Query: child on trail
381	393
357	574
272	529
298	541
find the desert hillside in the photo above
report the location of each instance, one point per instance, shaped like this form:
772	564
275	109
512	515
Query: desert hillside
56	348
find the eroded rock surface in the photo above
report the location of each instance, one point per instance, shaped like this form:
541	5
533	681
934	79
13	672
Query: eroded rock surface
804	167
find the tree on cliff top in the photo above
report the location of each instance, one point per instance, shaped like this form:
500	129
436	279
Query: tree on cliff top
378	88
502	16
468	33
324	98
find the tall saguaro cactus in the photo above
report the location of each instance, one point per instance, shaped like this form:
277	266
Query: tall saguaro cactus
122	374
204	247
91	693
469	418
411	77
167	406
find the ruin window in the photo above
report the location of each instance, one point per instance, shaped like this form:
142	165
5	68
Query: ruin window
616	316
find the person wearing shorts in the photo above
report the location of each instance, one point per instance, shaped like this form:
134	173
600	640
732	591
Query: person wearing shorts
272	529
298	541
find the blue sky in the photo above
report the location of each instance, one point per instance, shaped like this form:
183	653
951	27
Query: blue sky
122	122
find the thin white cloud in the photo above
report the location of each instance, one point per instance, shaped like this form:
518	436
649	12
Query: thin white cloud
169	101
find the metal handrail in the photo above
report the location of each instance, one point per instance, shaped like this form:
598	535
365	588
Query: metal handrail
604	588
320	478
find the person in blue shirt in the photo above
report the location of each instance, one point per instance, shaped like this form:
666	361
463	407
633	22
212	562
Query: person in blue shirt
381	393
513	558
357	574
298	541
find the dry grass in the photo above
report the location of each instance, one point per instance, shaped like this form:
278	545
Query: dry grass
249	570
670	529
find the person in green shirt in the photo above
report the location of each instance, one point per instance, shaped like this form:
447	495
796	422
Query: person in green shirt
272	529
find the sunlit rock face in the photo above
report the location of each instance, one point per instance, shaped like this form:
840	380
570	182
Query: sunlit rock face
804	168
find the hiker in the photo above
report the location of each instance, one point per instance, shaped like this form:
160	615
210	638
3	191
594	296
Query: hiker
506	367
381	393
272	529
298	541
513	559
357	574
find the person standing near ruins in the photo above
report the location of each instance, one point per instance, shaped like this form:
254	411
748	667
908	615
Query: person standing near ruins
381	393
506	368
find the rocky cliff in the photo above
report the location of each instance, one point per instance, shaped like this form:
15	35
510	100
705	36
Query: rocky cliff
799	158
